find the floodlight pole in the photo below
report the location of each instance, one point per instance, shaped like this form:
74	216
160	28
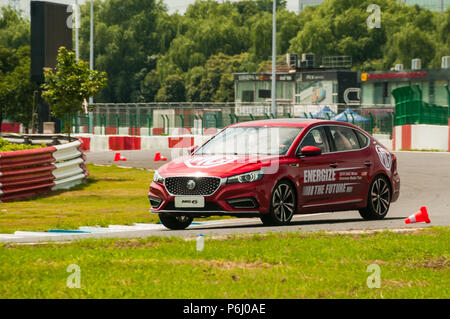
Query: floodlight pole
91	65
77	25
274	59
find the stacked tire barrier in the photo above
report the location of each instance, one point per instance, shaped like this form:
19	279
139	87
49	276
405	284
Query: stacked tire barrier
24	174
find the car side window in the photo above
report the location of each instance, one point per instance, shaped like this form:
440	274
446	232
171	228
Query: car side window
344	138
316	137
363	140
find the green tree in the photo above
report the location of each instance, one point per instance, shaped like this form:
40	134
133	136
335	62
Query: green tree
16	89
410	43
14	30
172	90
194	78
127	33
71	83
217	83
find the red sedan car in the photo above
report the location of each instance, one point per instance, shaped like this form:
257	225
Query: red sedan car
274	169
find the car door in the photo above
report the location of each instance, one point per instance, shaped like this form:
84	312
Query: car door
351	166
315	171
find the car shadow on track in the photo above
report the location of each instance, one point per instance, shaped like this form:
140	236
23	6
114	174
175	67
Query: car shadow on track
258	224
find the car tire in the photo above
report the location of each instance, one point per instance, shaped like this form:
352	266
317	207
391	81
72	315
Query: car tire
283	205
378	199
175	222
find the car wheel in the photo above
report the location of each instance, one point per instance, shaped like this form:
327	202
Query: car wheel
283	205
175	222
378	199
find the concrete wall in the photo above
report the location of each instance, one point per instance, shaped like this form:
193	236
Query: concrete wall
422	137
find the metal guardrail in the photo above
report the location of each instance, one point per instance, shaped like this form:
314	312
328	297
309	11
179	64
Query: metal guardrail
26	173
37	139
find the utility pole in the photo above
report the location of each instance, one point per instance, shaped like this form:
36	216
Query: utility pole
274	59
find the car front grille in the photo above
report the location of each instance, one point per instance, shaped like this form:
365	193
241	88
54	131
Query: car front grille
209	207
204	186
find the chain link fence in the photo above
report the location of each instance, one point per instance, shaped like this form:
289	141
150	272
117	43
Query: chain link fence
206	118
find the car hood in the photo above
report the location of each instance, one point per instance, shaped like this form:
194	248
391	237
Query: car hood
216	165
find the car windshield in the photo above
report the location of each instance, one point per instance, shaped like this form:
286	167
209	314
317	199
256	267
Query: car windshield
251	140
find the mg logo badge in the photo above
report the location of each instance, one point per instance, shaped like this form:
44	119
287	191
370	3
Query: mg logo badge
190	184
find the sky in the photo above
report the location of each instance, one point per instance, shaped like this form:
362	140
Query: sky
174	5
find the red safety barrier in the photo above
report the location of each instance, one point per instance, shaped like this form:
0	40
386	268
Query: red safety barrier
26	161
35	151
406	137
181	142
27	189
124	143
26	180
11	127
85	143
157	131
110	130
25	173
134	131
26	194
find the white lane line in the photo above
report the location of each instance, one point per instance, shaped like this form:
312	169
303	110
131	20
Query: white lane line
9	236
136	227
95	229
44	234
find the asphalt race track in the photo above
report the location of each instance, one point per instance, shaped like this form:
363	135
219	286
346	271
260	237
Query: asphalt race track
425	181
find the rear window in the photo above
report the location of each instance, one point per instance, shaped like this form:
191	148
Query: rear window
344	138
363	139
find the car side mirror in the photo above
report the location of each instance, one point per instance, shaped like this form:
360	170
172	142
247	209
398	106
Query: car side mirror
192	149
310	151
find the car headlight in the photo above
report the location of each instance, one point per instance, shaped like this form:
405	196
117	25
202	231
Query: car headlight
246	177
158	178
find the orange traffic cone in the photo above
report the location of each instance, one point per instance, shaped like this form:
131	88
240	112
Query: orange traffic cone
420	216
157	157
119	157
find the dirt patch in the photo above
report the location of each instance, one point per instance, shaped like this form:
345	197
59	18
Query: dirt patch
134	244
226	265
402	284
438	264
377	262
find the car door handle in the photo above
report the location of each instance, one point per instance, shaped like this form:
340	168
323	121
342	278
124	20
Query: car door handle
334	165
368	163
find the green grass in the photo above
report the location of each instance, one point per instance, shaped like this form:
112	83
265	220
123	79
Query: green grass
294	265
112	195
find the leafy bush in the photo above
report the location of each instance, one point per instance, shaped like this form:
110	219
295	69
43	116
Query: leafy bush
6	146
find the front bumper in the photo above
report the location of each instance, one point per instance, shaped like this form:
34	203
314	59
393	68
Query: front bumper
217	204
395	187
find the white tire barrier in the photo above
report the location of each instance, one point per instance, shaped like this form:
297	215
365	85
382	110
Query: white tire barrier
70	168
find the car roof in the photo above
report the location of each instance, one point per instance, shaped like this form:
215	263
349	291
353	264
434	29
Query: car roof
289	122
